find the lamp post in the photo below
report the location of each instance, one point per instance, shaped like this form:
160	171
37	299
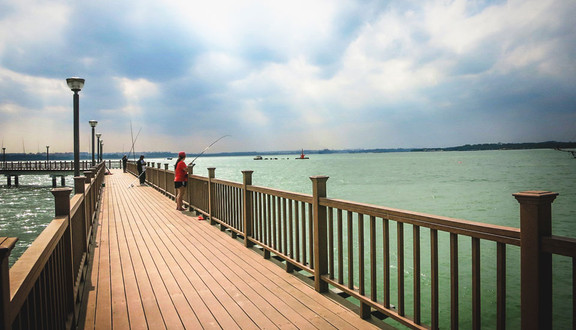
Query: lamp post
48	157
102	150
76	85
93	123
4	156
98	135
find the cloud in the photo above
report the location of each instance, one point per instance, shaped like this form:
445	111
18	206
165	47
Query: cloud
347	74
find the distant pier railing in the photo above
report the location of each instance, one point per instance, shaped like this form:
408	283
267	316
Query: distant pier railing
42	290
360	249
50	166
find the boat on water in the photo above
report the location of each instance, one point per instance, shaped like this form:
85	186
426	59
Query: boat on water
258	158
302	156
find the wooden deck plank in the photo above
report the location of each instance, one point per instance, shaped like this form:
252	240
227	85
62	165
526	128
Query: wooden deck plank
160	268
293	296
103	299
169	294
243	254
238	280
152	311
89	307
213	279
118	293
238	315
137	318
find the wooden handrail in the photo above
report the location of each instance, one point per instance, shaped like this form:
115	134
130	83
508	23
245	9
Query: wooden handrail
60	249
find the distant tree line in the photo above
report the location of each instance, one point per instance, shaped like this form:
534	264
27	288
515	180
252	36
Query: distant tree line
166	154
506	146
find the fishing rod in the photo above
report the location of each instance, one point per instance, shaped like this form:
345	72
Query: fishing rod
191	163
138	177
134	141
132	137
134	144
208	147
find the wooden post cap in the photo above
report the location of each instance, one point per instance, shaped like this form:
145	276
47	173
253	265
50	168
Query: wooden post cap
535	196
79	184
62	200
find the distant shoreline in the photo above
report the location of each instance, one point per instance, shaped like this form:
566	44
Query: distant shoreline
166	154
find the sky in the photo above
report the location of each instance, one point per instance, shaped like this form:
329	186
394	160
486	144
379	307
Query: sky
175	75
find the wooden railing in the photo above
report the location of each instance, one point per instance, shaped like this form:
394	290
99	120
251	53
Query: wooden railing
360	249
44	286
53	165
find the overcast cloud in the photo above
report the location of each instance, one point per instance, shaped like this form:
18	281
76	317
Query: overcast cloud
285	75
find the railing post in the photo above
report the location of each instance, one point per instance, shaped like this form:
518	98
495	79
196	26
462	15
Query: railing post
166	183
189	190
88	176
247	208
79	184
61	200
320	232
62	208
211	175
6	246
535	265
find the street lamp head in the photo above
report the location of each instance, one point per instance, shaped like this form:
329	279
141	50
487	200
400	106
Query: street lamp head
75	83
93	123
98	135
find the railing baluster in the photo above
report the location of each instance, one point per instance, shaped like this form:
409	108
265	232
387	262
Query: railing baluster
416	278
476	306
297	231
454	310
303	229
331	242
400	266
501	285
273	223
291	229
386	262
284	227
340	248
373	261
364	309
434	279
350	239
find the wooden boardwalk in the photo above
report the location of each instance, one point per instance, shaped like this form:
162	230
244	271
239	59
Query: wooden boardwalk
154	267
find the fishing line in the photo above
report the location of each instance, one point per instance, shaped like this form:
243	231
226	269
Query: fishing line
191	163
208	147
132	137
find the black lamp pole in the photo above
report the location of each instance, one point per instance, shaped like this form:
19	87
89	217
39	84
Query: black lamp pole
76	85
47	156
98	135
93	124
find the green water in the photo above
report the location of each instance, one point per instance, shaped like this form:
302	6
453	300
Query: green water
475	186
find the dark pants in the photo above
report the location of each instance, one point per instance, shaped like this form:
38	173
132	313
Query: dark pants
124	166
142	177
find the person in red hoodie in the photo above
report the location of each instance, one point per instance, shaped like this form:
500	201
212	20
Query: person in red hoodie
180	179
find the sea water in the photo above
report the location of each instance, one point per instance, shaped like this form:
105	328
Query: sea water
475	186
